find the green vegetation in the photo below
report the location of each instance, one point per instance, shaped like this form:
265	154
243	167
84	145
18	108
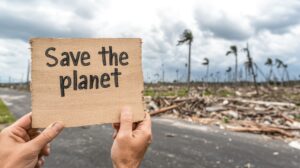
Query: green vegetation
181	92
5	115
207	92
225	93
226	119
220	93
149	92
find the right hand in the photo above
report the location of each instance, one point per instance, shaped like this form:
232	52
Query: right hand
130	140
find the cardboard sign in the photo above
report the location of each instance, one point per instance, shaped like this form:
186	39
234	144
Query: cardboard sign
85	81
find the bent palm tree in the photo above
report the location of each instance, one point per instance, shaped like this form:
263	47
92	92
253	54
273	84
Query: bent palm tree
280	64
249	64
206	63
269	62
285	66
233	50
187	38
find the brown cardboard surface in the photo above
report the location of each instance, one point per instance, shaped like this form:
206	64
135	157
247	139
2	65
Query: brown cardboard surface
85	106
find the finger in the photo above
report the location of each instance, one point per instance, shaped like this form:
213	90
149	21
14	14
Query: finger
144	129
47	135
46	150
24	122
41	162
126	121
20	133
37	164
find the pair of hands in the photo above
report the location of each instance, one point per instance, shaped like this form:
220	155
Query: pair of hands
24	147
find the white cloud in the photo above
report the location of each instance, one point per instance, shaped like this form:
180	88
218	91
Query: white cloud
271	27
14	57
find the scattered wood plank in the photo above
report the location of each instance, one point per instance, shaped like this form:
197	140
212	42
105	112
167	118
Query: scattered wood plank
266	103
162	110
216	108
287	118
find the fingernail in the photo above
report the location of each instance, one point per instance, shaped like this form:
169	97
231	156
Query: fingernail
58	126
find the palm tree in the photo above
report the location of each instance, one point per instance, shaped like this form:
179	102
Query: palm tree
187	38
279	64
285	72
269	62
285	66
233	50
228	71
206	63
249	64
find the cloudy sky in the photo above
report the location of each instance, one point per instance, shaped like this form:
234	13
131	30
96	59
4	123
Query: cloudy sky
271	27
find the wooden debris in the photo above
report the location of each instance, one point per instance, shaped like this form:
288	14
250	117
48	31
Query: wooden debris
242	115
165	109
287	118
262	129
266	103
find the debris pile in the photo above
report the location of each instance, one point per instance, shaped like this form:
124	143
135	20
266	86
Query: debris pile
236	114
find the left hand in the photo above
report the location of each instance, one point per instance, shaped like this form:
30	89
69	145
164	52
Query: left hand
24	147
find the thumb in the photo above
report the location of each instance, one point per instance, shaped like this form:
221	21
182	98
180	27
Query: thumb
126	121
47	135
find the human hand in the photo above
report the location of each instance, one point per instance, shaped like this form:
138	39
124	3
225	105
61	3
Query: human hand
130	140
24	147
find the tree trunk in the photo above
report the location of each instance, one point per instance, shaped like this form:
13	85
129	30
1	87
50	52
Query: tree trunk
254	80
252	70
189	67
236	68
282	78
287	76
271	73
246	74
207	70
